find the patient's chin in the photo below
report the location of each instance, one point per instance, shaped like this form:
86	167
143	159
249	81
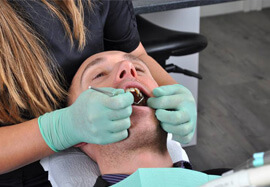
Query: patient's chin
145	133
80	144
145	130
141	116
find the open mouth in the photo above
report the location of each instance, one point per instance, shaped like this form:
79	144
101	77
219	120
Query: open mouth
140	98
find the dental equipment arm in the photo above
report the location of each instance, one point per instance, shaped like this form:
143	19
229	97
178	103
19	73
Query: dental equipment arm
250	177
259	159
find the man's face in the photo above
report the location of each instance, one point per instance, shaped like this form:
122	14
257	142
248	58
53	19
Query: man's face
112	69
120	70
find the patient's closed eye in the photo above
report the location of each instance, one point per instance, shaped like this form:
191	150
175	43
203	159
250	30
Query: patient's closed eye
139	69
99	75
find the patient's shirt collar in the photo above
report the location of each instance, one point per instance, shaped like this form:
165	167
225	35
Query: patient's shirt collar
182	164
114	178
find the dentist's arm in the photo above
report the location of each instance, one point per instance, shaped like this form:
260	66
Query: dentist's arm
93	118
158	73
20	145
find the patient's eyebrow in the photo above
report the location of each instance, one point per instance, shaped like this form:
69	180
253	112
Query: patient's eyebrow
92	64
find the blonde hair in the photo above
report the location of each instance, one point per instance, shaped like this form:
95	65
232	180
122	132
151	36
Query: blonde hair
29	80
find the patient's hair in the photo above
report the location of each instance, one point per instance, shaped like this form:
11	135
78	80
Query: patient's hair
29	79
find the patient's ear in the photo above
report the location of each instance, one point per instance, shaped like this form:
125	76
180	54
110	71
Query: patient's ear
80	144
89	150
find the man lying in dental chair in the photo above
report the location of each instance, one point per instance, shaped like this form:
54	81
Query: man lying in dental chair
145	146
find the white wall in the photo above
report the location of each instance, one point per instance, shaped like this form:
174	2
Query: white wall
266	3
183	20
231	7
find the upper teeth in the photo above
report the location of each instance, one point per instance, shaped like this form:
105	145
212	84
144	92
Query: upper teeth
134	90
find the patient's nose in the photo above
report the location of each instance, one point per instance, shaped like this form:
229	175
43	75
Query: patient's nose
126	70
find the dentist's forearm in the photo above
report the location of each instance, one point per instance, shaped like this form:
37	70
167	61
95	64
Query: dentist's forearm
158	73
20	145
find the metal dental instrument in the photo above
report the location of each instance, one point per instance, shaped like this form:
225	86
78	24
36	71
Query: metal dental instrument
136	103
102	91
112	94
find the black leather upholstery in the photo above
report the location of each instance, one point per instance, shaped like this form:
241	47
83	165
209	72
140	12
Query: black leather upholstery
161	43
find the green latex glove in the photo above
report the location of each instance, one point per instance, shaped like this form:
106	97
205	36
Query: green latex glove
176	111
93	118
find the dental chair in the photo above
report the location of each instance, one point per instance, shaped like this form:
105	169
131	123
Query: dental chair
161	43
72	167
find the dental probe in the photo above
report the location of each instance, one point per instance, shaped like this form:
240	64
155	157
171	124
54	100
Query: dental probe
112	94
102	91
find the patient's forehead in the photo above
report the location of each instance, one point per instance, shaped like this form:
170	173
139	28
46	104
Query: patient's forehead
105	55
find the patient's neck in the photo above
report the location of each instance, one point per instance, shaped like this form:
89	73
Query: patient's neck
129	163
145	147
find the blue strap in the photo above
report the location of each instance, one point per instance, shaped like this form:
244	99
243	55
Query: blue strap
258	159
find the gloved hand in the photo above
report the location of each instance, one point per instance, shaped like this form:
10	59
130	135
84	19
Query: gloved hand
93	118
176	110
